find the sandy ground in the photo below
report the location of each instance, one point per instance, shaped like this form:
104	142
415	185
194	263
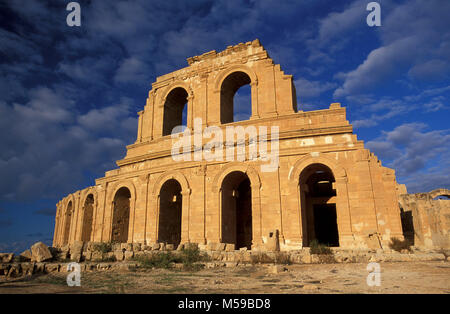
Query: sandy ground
400	277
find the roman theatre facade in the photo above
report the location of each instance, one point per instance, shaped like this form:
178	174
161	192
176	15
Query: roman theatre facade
326	186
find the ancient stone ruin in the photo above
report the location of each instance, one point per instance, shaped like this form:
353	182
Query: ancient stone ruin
325	185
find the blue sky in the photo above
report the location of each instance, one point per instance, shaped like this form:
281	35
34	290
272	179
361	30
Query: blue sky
69	95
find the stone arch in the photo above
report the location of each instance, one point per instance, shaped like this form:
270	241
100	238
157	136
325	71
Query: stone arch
302	163
69	210
224	116
132	189
235	68
176	94
180	177
439	192
339	173
88	209
252	173
185	209
255	185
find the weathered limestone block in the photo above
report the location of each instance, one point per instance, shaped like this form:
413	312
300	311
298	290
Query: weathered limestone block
273	241
26	255
229	247
137	247
14	270
104	266
6	257
155	246
39	267
40	252
108	256
87	255
191	246
97	256
116	247
52	268
129	255
169	247
119	255
28	268
4	269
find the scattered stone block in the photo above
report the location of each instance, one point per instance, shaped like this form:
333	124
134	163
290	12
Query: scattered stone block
229	247
4	269
14	270
129	255
116	247
26	255
273	241
40	252
137	247
119	255
87	255
6	257
51	268
97	256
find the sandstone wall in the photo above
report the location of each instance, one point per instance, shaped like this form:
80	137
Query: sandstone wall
427	218
363	191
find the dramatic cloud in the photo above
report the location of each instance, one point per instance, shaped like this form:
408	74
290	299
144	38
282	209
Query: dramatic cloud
413	151
411	33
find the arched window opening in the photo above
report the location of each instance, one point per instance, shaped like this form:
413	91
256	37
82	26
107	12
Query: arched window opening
175	110
236	201
87	218
68	218
235	98
121	215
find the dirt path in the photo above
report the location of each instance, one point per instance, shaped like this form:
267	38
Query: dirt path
401	277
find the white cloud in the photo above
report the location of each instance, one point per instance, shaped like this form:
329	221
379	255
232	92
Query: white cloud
414	152
415	39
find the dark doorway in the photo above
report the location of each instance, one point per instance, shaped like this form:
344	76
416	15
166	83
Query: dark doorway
237	210
170	205
407	225
121	215
325	224
67	221
318	205
87	218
